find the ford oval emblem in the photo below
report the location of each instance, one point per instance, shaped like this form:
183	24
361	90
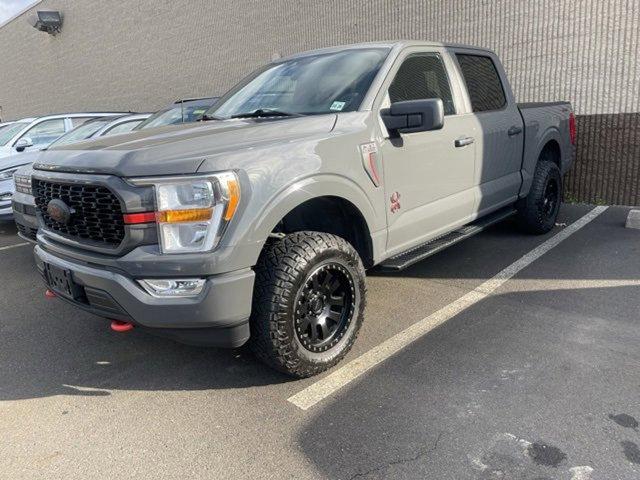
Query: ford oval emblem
59	211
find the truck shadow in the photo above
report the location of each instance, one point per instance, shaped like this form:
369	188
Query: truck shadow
89	360
50	348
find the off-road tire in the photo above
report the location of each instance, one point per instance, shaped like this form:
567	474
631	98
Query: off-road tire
534	216
282	272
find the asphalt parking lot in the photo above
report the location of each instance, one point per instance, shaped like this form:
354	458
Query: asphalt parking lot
538	378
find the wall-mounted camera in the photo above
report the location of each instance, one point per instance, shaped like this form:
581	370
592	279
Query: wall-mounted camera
47	21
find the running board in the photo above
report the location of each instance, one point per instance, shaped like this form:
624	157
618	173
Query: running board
416	254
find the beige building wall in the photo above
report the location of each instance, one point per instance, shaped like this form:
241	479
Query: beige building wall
142	55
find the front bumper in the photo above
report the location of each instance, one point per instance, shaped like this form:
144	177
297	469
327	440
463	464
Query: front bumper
7	189
24	214
218	316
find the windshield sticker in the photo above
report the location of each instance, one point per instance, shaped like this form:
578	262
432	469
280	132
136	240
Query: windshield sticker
337	106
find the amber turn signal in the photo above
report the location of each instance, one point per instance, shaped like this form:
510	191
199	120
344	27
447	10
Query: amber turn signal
234	198
193	215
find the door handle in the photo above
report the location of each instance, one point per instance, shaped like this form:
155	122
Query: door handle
463	142
514	131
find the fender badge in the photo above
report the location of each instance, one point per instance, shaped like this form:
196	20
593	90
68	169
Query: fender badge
395	202
369	153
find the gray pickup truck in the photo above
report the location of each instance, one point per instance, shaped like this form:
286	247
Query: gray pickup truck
257	224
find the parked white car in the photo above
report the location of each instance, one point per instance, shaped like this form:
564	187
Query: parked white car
5	124
33	133
20	169
36	133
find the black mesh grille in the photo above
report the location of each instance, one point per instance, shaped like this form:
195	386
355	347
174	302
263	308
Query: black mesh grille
96	212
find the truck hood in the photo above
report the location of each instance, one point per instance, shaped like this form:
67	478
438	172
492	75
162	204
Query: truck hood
177	149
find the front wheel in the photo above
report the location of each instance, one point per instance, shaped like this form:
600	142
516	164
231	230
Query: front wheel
308	302
538	211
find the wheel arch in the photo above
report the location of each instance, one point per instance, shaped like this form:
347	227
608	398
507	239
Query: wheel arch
314	204
550	140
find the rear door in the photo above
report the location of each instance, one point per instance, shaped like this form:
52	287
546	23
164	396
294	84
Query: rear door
500	130
428	176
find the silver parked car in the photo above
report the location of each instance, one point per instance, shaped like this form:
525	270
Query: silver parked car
23	202
181	111
101	127
5	124
34	133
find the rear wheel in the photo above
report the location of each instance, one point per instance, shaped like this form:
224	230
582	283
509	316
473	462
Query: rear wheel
308	302
538	211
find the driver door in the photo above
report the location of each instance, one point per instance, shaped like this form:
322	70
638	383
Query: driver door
428	176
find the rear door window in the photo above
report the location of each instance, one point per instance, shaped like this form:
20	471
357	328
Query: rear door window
483	82
422	76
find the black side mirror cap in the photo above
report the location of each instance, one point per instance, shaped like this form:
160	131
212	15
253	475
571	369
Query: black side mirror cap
413	116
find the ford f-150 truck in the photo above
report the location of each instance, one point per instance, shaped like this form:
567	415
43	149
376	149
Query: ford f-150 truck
257	224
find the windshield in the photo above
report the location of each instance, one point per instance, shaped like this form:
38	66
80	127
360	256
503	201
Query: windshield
178	114
84	131
315	84
8	132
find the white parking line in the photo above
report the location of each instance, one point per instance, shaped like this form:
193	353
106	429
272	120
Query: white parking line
14	246
333	382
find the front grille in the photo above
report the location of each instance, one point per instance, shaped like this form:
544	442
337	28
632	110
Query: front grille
96	211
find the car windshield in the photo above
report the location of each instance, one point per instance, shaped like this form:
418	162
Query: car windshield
186	113
84	131
308	85
8	132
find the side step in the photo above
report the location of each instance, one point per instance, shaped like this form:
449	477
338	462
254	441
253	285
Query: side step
416	254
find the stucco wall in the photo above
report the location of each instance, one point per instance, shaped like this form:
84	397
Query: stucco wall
141	55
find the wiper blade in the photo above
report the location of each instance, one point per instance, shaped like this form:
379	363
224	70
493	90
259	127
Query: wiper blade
260	113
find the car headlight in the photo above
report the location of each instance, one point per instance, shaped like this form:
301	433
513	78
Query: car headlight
192	213
23	183
8	173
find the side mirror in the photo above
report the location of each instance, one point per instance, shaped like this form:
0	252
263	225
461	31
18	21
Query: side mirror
413	116
23	144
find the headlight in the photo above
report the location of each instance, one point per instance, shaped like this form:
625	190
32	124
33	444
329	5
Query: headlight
23	183
193	212
8	173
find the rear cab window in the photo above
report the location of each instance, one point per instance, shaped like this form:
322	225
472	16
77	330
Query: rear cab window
482	79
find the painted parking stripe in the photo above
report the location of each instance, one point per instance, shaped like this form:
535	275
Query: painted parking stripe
333	382
8	247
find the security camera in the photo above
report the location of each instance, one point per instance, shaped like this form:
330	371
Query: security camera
46	21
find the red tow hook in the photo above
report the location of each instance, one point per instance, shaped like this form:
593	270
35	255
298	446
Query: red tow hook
120	326
49	293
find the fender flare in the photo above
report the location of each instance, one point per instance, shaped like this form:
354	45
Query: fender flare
531	160
293	195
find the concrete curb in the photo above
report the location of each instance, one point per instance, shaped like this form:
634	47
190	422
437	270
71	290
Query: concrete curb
633	220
